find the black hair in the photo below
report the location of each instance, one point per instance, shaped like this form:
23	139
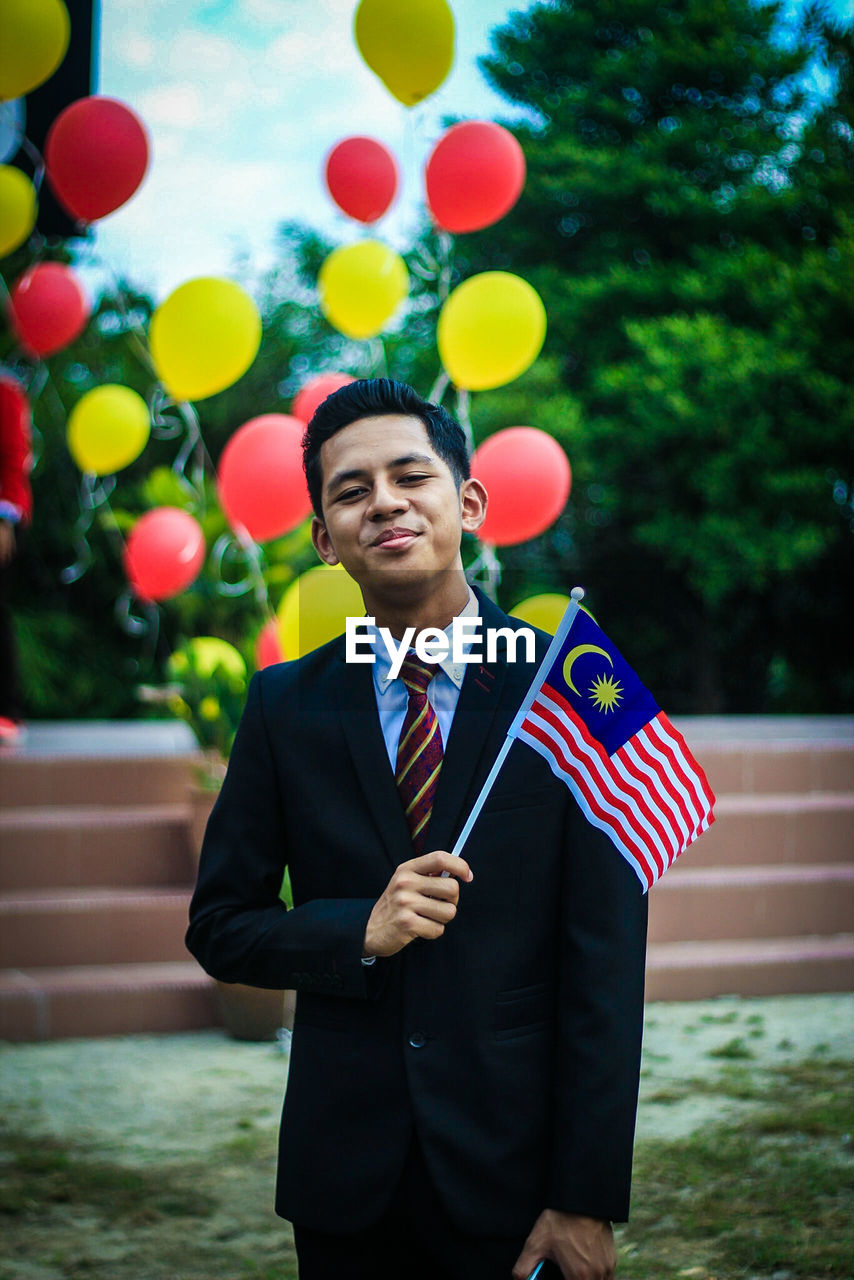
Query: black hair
370	398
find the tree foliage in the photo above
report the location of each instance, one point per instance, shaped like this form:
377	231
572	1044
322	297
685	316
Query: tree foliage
687	219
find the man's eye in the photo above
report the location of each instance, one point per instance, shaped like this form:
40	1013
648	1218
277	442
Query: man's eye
413	477
349	494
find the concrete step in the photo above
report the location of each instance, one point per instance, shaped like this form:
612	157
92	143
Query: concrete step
727	903
30	781
786	766
81	846
51	927
773	829
750	967
115	999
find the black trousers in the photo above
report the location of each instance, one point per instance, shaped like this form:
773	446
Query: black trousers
414	1240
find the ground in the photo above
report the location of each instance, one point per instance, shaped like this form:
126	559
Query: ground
153	1157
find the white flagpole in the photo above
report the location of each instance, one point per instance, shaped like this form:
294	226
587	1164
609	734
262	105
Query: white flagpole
560	635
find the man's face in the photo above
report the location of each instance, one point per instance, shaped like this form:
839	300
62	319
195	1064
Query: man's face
392	511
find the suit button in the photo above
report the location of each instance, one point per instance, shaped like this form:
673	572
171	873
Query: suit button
418	1040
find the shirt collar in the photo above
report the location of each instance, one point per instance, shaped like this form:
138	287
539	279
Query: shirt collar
453	670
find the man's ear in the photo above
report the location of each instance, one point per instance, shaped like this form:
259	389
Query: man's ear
473	503
322	542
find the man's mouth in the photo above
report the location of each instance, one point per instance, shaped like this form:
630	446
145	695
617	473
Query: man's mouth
395	539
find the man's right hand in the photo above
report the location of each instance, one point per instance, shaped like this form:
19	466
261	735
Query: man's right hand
419	900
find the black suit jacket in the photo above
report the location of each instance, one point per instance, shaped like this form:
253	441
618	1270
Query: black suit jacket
512	1043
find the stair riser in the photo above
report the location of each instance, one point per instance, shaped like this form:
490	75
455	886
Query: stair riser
31	781
681	912
64	1015
82	856
101	934
780	978
771	839
744	769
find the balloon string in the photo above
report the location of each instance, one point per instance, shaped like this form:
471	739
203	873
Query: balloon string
133	625
444	273
379	362
485	571
234	548
169	420
91	495
33	154
192	449
439	388
133	329
464	417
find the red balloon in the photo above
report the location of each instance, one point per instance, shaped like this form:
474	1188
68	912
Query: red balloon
361	176
527	477
262	486
314	392
47	308
96	153
474	175
268	646
164	553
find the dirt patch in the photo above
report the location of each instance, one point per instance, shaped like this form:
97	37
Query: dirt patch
153	1157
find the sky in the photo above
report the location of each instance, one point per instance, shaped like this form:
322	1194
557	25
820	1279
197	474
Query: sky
243	100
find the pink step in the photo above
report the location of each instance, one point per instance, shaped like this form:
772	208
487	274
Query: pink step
763	967
773	829
48	928
727	903
116	999
787	766
32	781
79	846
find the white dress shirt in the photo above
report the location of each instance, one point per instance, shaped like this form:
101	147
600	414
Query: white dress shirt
443	691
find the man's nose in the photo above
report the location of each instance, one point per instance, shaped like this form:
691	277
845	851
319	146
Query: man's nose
385	499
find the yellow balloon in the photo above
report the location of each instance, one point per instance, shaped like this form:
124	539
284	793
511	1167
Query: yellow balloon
18	207
206	653
361	286
409	44
490	330
315	607
543	611
33	40
108	429
204	337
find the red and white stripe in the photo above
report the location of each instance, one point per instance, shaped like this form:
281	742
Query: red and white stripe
650	796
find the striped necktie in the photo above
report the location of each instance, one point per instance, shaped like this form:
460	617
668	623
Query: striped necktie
419	751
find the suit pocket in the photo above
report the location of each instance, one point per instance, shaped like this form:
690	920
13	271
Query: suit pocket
522	1011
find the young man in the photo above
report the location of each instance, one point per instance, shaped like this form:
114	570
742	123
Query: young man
464	1069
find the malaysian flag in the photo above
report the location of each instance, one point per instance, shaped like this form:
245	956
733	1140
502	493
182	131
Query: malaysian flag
602	732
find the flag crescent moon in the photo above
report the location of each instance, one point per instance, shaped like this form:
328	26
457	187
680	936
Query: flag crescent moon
576	653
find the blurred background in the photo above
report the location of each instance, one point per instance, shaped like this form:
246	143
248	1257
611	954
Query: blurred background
683	212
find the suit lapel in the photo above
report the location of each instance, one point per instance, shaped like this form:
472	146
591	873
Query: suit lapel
360	721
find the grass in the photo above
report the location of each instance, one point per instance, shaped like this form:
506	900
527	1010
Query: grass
39	1172
774	1193
735	1048
771	1194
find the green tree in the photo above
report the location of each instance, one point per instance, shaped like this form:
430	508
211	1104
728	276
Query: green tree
687	221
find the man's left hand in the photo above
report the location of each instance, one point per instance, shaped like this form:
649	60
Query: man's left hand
583	1248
